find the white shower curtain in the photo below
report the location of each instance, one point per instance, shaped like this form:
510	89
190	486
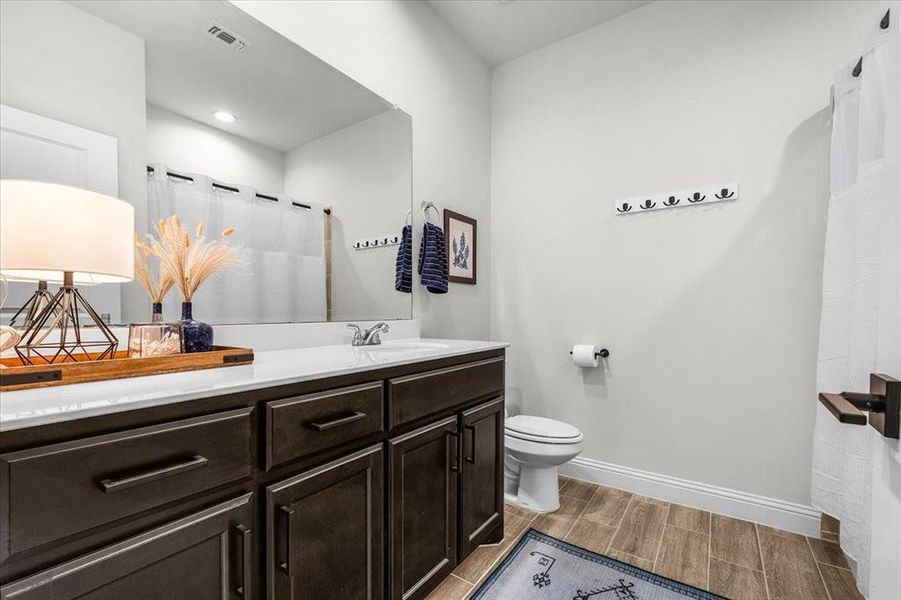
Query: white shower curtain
860	328
283	278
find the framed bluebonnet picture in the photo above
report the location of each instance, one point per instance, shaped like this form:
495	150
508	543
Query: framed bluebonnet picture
461	235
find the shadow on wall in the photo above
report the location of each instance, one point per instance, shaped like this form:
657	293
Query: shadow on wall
732	354
356	296
348	278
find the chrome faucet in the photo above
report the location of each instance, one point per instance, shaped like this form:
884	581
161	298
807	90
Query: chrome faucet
370	337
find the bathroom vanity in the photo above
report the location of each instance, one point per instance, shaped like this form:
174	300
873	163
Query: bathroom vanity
331	472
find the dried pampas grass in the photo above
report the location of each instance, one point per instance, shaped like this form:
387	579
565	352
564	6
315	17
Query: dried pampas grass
156	287
191	261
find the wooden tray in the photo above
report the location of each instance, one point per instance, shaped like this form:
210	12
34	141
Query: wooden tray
17	376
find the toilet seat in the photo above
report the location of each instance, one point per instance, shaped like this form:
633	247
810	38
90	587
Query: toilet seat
541	430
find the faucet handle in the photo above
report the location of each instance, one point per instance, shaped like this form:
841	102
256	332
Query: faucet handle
358	334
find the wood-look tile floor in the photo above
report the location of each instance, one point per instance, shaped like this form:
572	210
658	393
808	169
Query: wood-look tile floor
733	558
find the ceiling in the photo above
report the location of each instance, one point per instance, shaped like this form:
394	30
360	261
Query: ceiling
501	30
282	95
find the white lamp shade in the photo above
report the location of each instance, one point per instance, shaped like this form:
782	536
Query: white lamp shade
47	229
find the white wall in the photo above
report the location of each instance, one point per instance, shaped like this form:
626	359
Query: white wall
363	172
406	53
187	145
62	63
711	313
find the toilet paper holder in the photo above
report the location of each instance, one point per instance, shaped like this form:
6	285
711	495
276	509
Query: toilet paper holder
603	353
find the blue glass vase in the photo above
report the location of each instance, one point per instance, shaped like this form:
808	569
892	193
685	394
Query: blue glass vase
198	336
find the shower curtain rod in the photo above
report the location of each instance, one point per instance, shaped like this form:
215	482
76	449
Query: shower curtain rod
883	24
229	188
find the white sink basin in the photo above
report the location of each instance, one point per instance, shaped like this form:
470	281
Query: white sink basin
400	345
387	351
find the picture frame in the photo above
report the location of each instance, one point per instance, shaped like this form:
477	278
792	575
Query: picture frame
461	235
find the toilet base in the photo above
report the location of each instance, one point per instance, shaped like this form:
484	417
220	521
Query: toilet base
537	491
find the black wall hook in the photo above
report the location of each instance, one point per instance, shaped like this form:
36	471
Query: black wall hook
671	201
647	204
696	197
724	193
883	24
625	208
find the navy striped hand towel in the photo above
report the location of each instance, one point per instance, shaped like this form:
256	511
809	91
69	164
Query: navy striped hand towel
433	259
403	278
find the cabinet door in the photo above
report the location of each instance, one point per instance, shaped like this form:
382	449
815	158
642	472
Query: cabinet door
482	475
325	531
204	556
422	512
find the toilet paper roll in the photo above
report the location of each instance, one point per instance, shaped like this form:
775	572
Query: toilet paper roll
585	355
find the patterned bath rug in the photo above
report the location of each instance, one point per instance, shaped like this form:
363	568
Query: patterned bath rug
541	567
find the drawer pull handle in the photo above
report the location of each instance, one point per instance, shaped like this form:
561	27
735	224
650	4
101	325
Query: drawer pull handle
472	444
117	485
337	422
243	590
284	567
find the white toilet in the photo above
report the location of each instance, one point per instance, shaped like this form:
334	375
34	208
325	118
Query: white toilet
535	447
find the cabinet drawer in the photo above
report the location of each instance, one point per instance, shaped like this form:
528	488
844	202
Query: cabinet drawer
303	425
422	394
59	490
208	554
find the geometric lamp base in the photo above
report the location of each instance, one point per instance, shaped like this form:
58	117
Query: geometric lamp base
60	317
33	307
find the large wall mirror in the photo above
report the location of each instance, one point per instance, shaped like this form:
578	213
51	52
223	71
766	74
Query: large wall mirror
196	109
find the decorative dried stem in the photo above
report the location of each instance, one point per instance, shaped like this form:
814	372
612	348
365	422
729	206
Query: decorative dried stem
191	261
156	287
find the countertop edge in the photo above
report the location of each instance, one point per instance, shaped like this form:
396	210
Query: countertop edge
56	414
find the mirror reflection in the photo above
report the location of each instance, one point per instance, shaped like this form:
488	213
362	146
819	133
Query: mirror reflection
211	116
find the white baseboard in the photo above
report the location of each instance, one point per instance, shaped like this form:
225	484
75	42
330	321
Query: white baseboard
733	503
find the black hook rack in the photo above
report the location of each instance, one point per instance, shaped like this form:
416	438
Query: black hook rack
726	190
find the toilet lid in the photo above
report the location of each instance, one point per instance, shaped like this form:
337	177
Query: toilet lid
540	429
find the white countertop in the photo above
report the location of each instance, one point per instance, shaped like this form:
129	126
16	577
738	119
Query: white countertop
27	408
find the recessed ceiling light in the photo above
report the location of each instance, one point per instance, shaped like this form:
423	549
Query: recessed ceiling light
225	117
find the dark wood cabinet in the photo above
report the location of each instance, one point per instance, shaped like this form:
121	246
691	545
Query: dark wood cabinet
303	425
482	475
413	397
363	486
422	510
204	556
62	489
325	531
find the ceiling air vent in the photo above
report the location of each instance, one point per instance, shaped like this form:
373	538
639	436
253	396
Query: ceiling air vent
227	37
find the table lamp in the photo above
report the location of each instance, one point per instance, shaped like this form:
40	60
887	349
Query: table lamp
51	232
33	307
